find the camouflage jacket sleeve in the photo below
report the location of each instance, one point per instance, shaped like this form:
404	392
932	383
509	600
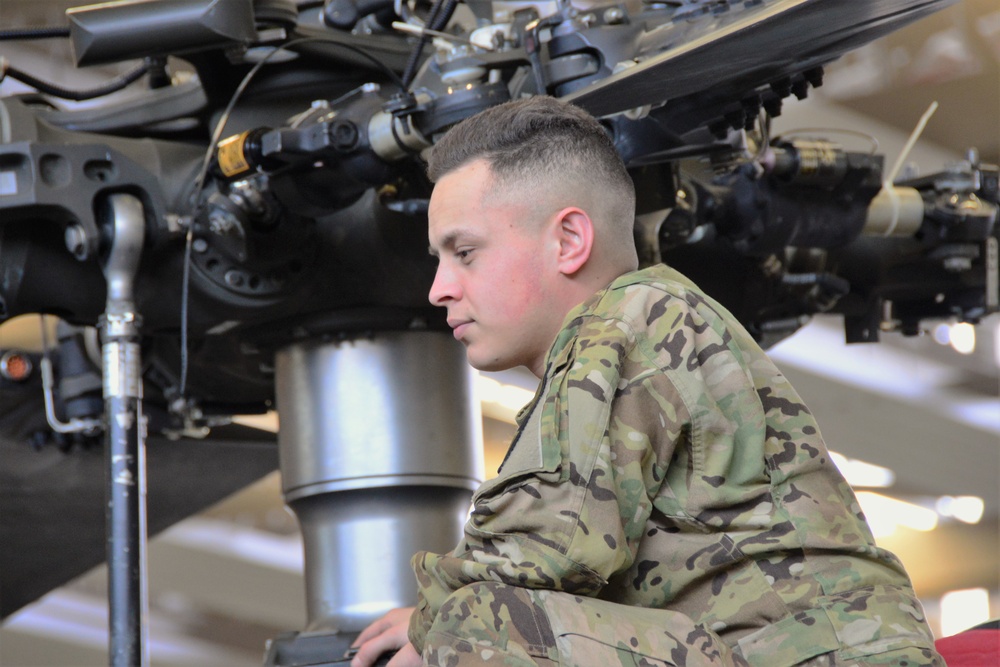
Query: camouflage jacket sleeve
569	506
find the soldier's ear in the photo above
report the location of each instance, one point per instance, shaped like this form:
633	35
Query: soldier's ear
575	232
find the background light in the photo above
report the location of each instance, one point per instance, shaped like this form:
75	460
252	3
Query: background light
501	401
968	509
942	333
962	337
885	514
960	610
861	473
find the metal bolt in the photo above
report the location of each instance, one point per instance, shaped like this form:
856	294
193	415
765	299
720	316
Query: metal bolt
76	241
782	88
221	222
614	15
772	106
345	134
800	89
235	278
199	245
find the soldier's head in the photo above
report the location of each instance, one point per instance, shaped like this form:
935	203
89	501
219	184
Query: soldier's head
532	212
548	153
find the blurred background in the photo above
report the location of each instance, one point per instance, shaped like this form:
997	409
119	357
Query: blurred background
915	421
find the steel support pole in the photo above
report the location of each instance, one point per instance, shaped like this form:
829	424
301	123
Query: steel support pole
125	439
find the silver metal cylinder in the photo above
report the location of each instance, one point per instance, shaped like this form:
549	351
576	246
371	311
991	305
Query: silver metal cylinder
380	446
394	138
895	212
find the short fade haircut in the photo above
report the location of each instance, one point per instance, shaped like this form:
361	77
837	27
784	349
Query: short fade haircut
527	140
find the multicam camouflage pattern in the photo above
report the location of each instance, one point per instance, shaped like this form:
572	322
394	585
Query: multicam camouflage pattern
490	623
666	464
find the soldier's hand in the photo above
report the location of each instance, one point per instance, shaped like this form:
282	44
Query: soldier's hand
388	633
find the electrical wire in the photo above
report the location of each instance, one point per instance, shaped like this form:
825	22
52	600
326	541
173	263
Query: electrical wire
112	86
379	65
22	34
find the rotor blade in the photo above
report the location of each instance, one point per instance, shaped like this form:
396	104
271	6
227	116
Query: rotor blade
747	47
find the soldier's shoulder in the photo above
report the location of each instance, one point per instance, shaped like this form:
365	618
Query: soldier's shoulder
641	298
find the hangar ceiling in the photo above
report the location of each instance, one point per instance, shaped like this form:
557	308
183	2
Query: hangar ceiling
952	57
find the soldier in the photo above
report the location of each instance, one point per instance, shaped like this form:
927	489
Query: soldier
668	499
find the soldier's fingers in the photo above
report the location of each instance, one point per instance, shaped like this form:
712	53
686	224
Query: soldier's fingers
406	657
391	619
373	630
369	652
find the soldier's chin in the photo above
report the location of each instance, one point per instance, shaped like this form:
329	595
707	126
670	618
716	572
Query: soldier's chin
489	364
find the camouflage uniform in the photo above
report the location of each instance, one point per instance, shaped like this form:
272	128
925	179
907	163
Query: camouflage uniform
668	499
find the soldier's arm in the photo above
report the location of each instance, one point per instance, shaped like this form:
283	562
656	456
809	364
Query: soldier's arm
573	517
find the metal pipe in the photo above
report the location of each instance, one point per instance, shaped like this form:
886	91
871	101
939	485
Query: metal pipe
75	424
125	439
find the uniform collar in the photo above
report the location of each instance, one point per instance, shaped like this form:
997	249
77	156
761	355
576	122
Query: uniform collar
576	317
561	349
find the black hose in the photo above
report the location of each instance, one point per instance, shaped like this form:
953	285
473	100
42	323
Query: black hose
437	19
32	33
112	86
411	64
